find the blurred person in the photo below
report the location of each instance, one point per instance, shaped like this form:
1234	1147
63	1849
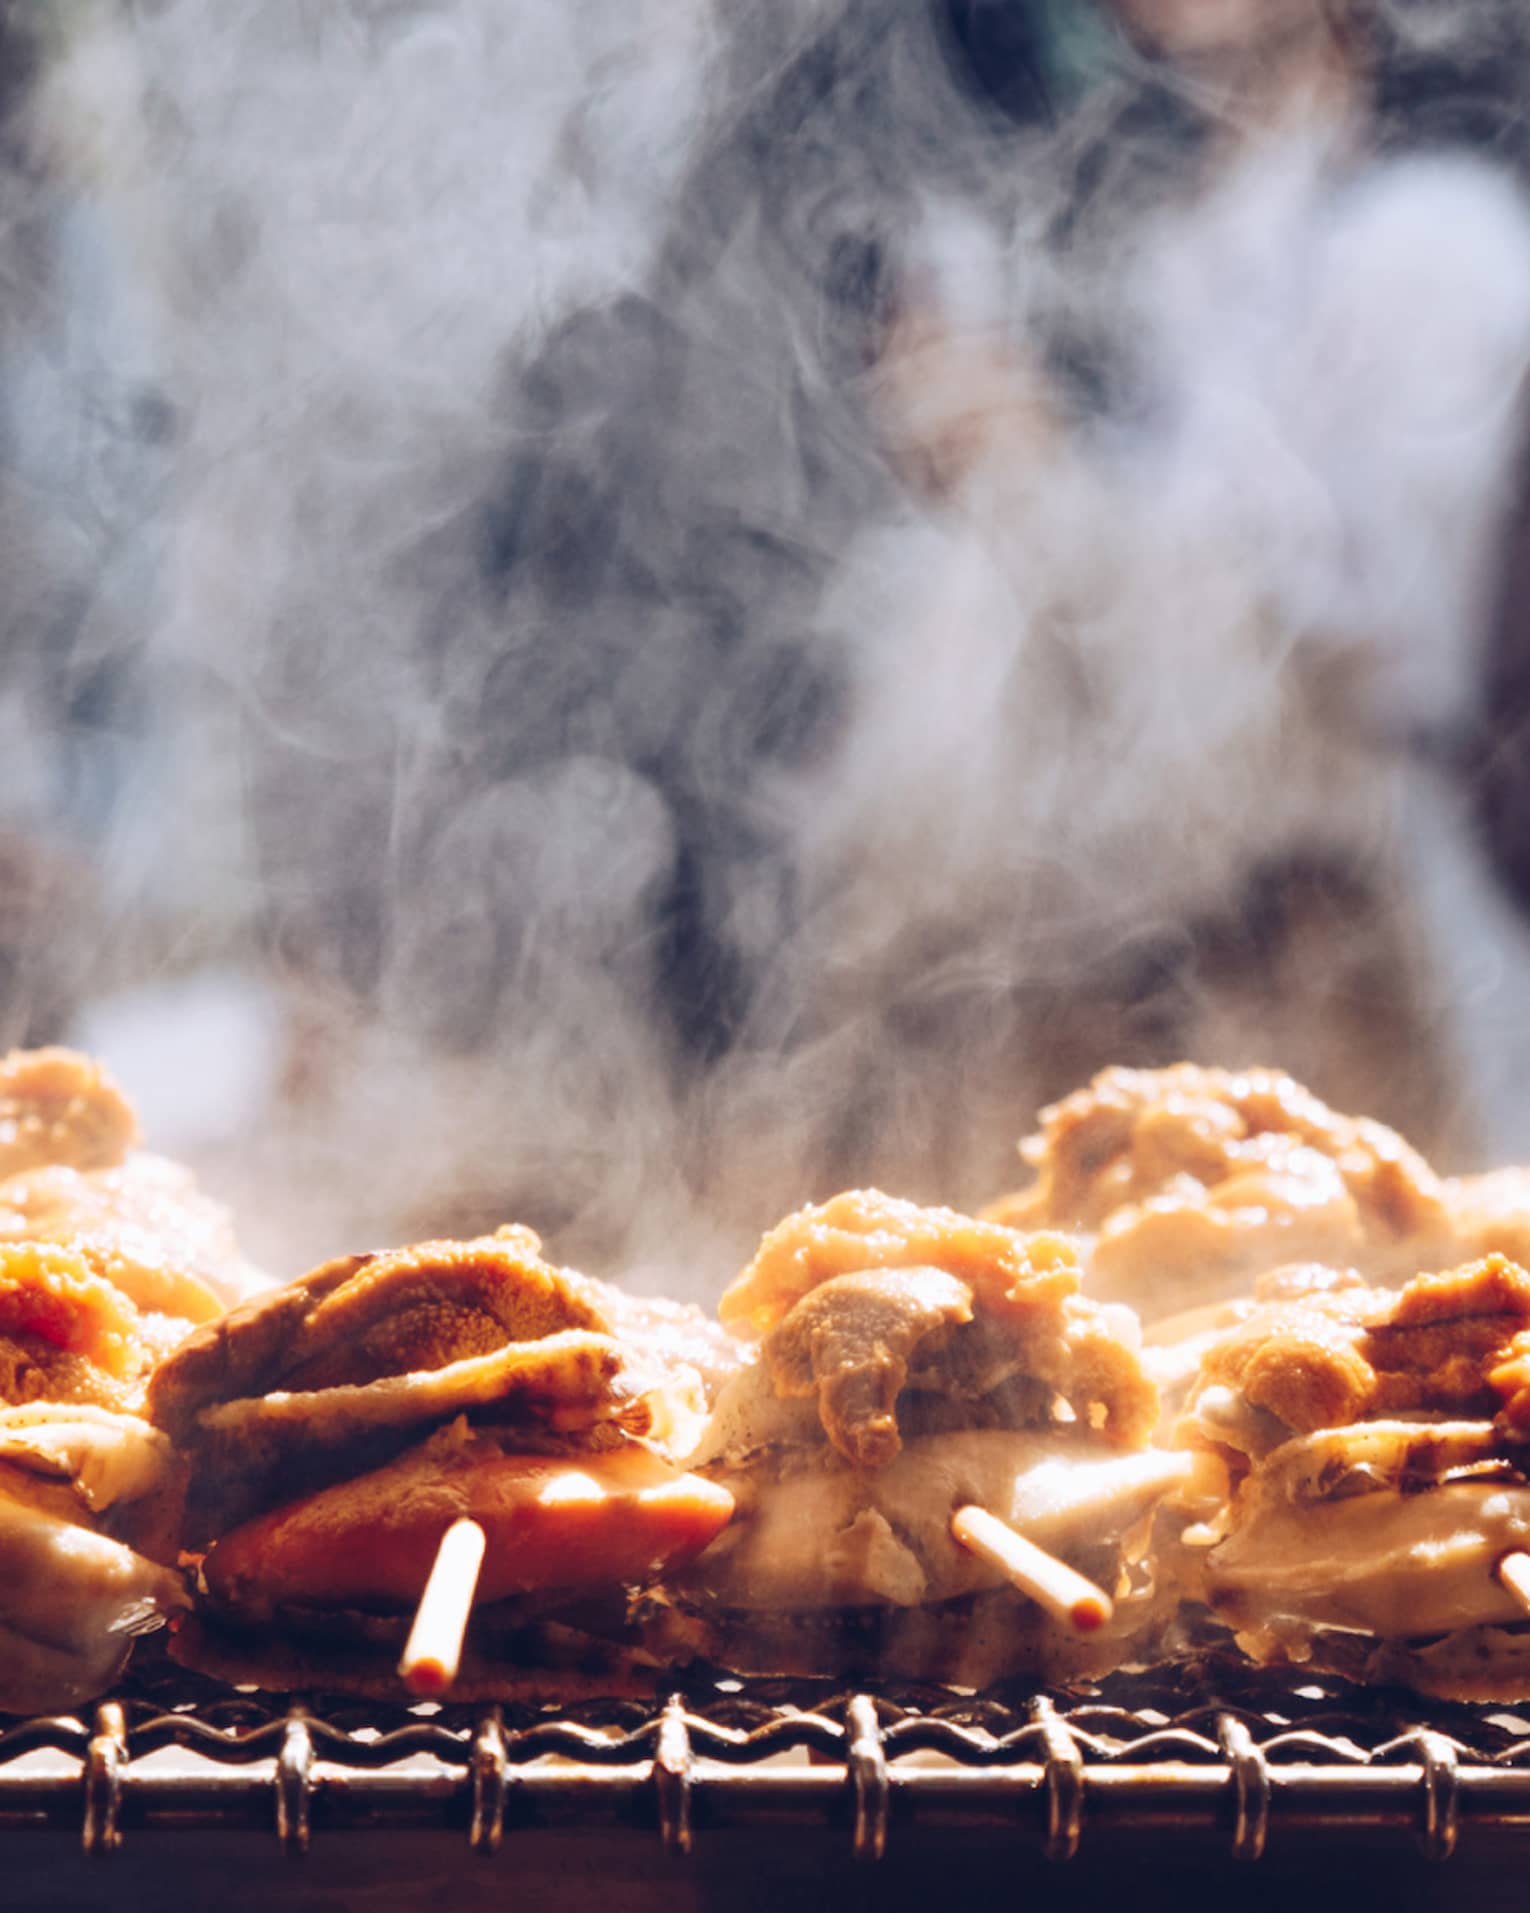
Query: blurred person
764	594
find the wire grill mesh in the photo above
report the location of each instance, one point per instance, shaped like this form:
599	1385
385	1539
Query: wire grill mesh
1201	1744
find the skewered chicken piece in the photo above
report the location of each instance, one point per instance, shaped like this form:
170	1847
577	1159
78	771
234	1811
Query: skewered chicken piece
1378	1444
913	1364
106	1258
339	1427
1189	1182
87	1512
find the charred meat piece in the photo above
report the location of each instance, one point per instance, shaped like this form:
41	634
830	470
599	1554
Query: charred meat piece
1190	1180
58	1106
103	1256
342	1369
360	1318
1373	1488
570	1384
848	1344
1337	1356
865	1229
1444	1344
339	1426
914	1362
65	1333
1300	1362
143	1224
1024	1290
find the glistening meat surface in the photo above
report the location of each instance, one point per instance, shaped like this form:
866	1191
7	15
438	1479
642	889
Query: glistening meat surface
550	1522
908	1270
1189	1180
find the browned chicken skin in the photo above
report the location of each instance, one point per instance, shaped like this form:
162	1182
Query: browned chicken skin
59	1107
1444	1344
1378	1473
361	1319
865	1229
336	1428
1188	1181
143	1224
341	1369
105	1257
849	1343
913	1362
1024	1290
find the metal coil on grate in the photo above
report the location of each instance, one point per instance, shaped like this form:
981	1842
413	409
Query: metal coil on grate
1247	1755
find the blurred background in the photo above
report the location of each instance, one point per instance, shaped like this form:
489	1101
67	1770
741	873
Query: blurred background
621	615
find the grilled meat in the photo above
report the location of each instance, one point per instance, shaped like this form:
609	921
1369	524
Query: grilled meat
59	1107
1378	1470
107	1258
1025	1310
1189	1181
338	1426
87	1501
913	1361
143	1224
847	1345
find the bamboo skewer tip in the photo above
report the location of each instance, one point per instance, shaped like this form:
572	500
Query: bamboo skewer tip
1513	1573
1068	1596
433	1652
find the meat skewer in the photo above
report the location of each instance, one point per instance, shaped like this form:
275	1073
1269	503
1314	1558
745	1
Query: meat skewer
107	1256
339	1427
913	1362
1378	1446
433	1651
1187	1183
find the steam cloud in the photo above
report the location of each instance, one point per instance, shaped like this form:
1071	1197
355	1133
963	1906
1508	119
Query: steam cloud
676	608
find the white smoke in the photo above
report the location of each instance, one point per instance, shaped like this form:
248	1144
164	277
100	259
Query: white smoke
408	278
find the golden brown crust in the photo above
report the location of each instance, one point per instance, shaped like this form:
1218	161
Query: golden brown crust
362	1318
50	1297
230	1357
341	1370
257	1449
1456	1343
59	1106
34	1370
1299	1361
864	1229
1131	1132
1447	1338
144	1225
433	1303
849	1343
1192	1178
1028	1317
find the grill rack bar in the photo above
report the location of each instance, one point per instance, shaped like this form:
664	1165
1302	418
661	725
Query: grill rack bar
1247	1757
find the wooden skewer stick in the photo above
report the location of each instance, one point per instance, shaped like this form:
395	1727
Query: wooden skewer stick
434	1648
1065	1594
1514	1572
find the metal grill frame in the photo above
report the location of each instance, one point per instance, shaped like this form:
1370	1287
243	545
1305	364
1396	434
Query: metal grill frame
1246	1756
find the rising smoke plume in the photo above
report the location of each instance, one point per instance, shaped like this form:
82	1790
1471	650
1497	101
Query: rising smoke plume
699	602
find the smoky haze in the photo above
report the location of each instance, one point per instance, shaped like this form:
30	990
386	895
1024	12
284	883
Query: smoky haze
619	615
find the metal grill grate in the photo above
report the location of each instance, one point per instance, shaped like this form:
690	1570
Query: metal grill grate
1199	1746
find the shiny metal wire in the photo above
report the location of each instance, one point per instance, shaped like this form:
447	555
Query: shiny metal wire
1254	1758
